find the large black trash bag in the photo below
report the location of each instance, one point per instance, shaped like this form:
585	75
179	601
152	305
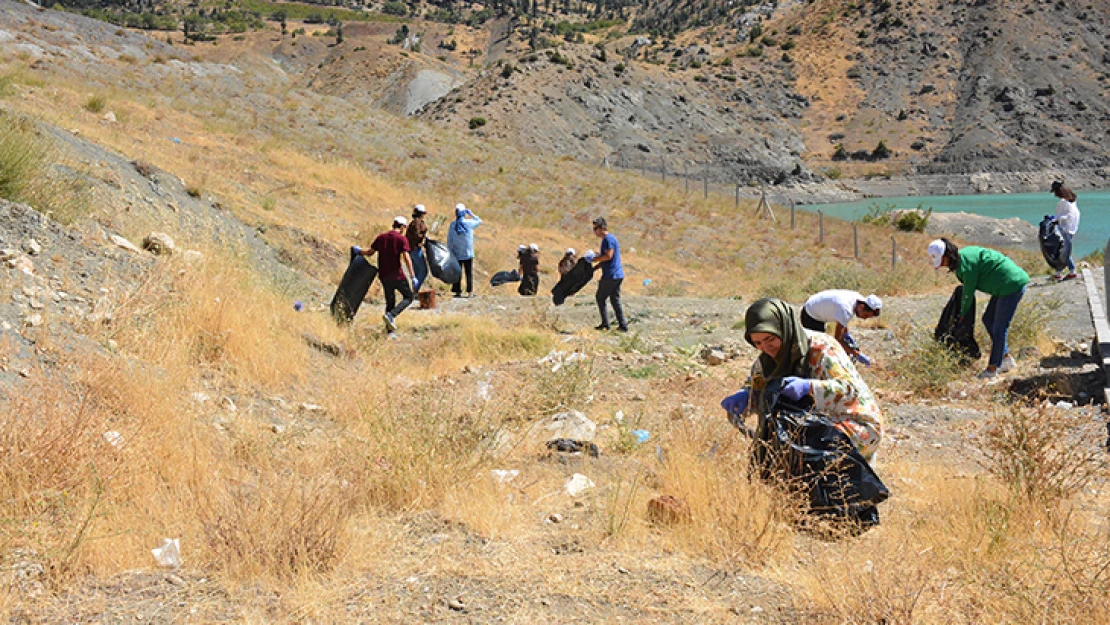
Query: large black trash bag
802	450
352	289
958	334
441	262
504	277
573	282
1054	246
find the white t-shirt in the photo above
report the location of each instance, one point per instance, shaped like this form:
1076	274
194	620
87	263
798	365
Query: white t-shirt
833	305
1067	215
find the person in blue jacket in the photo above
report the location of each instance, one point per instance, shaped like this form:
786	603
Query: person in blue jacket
612	275
460	240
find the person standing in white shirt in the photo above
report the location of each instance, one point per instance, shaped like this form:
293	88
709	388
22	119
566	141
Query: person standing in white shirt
839	306
1067	217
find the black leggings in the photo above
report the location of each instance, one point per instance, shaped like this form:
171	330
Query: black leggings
529	285
809	323
468	268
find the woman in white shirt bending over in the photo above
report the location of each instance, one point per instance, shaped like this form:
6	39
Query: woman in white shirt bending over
1067	217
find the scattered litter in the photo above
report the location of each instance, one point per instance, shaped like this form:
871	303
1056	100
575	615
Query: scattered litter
1065	405
484	389
623	571
169	554
200	397
569	446
647	281
298	305
456	605
176	140
619	417
159	244
113	438
123	243
311	407
641	436
578	484
555	518
756	609
558	359
504	476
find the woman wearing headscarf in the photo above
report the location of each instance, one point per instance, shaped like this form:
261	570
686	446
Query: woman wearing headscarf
460	240
809	364
1067	217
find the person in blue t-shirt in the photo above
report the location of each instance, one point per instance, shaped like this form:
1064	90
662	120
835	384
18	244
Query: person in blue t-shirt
612	274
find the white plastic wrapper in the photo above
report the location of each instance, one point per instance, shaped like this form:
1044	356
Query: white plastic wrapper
169	554
578	484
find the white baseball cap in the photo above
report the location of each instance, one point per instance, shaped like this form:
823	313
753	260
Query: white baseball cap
570	251
419	209
521	248
460	206
534	247
400	221
936	252
873	302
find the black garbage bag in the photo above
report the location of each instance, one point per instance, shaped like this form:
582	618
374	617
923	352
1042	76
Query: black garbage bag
352	289
803	451
504	277
1054	246
441	262
574	281
958	333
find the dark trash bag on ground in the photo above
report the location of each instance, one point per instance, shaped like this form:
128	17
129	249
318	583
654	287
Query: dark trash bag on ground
352	289
573	282
803	450
959	337
1054	246
441	262
504	277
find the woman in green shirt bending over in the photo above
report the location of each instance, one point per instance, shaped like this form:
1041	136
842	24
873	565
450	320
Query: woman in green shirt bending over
992	272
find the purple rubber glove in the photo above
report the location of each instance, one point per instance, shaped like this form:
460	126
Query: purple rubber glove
794	388
864	359
415	285
356	249
735	405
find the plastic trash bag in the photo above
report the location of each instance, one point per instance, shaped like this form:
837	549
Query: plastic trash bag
1055	248
169	554
442	264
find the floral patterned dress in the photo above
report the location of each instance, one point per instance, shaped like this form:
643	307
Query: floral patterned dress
839	392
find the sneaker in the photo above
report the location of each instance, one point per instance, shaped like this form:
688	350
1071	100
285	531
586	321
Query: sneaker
987	374
1057	277
602	327
1070	276
622	329
1007	364
389	323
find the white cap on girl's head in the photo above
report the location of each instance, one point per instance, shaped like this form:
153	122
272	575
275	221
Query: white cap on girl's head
460	207
936	252
419	209
400	221
570	251
534	247
521	248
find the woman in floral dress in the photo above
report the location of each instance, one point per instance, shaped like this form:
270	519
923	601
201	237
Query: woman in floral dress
809	363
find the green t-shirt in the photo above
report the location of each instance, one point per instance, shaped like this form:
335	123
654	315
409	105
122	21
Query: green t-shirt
989	271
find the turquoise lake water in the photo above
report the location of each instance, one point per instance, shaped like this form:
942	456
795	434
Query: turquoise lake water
1094	209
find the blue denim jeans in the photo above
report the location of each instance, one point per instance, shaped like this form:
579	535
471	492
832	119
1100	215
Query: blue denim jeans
997	318
419	266
1071	263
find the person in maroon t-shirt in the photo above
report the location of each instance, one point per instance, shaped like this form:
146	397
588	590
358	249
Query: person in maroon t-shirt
529	270
392	248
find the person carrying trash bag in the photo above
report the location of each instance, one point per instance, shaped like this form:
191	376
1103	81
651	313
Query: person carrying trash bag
567	262
808	365
416	233
1067	219
992	272
529	271
460	240
839	306
612	275
392	248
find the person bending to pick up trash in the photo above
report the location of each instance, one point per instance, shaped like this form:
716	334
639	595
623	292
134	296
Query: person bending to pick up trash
612	275
992	272
839	306
460	240
392	248
416	233
567	262
809	364
1067	218
529	270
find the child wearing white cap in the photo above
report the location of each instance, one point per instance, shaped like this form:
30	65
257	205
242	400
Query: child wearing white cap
567	262
392	248
839	306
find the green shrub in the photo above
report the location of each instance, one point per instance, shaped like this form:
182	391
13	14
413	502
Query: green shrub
22	158
926	366
877	215
507	70
477	122
833	173
96	103
914	221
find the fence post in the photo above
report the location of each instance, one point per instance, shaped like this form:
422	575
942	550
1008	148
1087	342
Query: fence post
663	168
791	213
855	239
686	176
737	202
893	252
705	178
643	167
820	227
620	160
